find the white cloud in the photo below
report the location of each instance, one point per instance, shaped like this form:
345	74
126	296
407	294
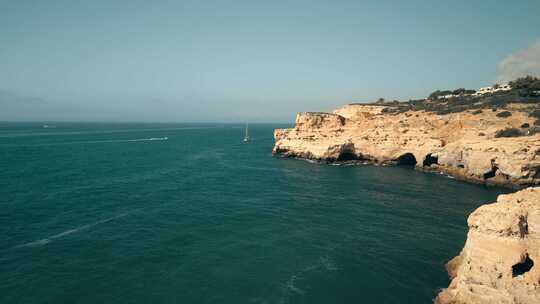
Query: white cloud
521	63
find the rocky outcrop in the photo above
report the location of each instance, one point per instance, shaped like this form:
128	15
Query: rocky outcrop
460	144
500	260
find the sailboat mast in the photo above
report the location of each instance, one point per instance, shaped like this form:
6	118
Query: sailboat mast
246	137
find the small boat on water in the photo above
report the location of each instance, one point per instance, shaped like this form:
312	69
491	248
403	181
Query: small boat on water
246	137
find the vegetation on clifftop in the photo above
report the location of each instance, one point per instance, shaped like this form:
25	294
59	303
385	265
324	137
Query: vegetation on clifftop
523	90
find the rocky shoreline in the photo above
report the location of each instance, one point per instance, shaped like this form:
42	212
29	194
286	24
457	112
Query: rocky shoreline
497	263
464	145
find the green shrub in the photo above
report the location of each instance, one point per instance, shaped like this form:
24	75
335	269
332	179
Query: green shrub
509	132
504	114
526	85
535	114
534	130
525	125
476	112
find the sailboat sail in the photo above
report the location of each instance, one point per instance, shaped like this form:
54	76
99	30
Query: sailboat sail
246	137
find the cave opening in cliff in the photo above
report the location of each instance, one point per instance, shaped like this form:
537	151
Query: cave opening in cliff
347	156
522	267
406	159
491	173
430	160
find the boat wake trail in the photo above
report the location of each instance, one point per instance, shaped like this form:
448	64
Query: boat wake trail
97	141
149	139
118	140
51	238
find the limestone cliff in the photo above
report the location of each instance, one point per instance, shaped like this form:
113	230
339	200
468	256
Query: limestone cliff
461	144
499	262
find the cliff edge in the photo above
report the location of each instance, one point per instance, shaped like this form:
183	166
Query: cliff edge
489	146
499	262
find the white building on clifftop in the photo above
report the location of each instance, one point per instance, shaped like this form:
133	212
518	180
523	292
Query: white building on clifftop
493	89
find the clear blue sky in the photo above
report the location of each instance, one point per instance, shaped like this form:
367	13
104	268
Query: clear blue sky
244	60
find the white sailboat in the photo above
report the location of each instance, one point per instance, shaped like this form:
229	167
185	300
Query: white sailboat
246	137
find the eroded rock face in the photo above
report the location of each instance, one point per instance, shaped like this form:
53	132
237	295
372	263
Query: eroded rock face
327	121
500	262
459	144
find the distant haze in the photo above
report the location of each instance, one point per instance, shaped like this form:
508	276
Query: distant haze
257	61
522	62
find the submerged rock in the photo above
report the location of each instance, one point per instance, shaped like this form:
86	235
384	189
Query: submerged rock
500	262
462	145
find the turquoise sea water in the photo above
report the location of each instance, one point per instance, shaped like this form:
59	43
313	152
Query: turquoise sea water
99	213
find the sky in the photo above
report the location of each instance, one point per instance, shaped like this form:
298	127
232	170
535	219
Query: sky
256	61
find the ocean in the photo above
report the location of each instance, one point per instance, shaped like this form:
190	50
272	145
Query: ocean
188	213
